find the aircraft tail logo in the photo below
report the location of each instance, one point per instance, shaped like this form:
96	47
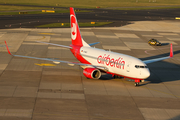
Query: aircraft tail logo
73	28
75	32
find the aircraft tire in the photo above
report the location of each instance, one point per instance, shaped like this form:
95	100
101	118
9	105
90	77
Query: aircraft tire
136	84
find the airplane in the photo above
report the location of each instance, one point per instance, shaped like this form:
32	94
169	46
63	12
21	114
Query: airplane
96	61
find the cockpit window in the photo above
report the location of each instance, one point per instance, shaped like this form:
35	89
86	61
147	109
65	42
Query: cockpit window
139	66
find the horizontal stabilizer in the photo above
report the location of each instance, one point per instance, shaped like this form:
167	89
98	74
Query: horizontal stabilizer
91	44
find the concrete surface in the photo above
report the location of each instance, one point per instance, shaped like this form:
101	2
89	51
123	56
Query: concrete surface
35	90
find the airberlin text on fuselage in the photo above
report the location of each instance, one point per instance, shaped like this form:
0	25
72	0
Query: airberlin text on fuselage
107	60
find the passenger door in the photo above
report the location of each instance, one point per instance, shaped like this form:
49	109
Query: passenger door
128	66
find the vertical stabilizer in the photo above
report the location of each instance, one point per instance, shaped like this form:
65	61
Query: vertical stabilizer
75	31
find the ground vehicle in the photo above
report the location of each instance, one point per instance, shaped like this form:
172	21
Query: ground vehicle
154	42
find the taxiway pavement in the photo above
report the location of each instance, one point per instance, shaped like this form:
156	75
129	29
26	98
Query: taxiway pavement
40	90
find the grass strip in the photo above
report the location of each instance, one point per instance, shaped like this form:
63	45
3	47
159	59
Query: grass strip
13	8
94	3
39	12
86	24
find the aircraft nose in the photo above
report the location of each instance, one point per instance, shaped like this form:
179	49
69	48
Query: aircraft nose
146	73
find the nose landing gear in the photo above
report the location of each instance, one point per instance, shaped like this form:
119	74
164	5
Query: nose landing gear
136	84
137	81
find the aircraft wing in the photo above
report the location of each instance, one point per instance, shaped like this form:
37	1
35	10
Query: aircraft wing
58	61
159	59
90	44
54	44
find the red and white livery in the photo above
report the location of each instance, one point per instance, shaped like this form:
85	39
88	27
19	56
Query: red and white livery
94	60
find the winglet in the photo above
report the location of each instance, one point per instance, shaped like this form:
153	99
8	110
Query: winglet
7	48
171	51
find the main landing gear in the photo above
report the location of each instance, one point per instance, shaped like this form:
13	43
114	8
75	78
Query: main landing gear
117	77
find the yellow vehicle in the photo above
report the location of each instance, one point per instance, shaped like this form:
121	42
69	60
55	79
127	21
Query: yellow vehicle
154	42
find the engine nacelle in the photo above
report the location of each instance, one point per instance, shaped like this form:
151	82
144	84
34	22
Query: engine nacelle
92	73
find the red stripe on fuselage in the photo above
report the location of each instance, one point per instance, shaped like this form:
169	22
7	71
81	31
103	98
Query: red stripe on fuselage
76	52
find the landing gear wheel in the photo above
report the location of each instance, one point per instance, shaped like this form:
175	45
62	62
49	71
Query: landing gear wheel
136	84
116	76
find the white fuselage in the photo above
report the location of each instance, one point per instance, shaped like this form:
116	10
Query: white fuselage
116	63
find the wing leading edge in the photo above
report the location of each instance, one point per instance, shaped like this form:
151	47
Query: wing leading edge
159	59
55	44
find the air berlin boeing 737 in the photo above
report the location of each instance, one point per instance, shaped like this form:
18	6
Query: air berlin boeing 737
94	60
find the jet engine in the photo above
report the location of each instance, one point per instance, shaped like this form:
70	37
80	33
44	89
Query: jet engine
92	73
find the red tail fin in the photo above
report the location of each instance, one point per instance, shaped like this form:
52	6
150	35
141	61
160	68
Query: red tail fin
75	32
